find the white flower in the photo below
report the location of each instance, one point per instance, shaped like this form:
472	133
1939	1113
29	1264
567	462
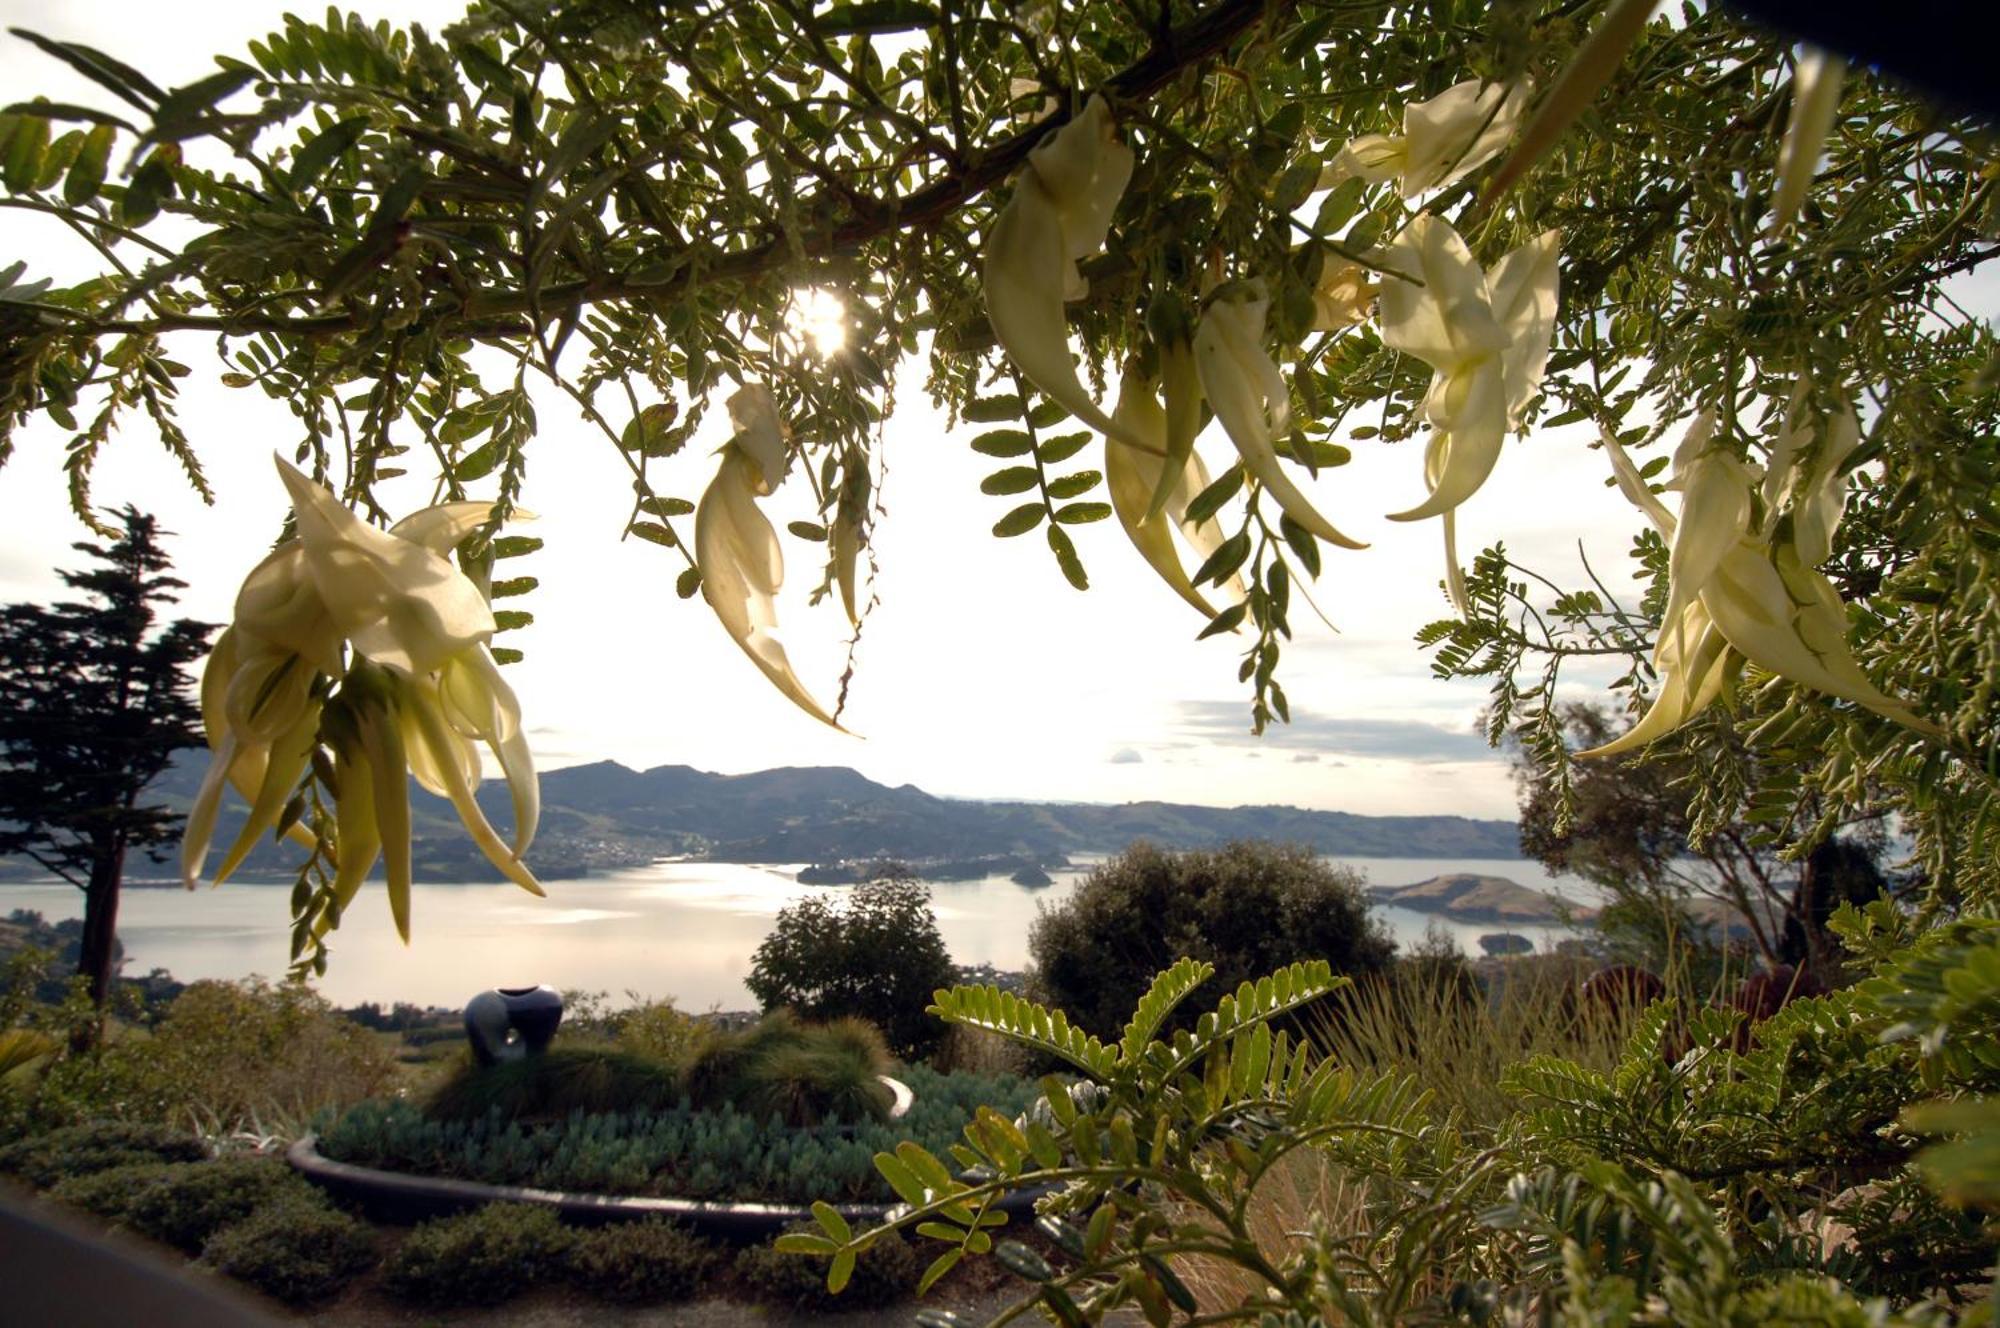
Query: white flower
1134	476
419	688
1739	590
1443	139
743	566
1250	398
1060	213
1486	337
1815	101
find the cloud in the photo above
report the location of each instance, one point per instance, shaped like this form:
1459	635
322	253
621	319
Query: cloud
1305	758
1127	756
1314	737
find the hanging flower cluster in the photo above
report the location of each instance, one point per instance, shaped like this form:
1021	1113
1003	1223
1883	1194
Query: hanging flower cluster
1743	578
736	547
1444	139
372	644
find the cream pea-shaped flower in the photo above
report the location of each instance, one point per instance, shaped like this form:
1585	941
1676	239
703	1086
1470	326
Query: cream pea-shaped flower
1740	589
1816	85
1249	396
742	565
1134	476
1060	213
1486	337
373	643
1443	139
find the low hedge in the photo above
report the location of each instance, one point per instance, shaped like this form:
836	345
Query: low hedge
77	1150
884	1275
640	1263
677	1152
483	1257
295	1248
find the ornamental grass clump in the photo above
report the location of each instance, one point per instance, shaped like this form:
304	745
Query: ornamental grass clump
558	1082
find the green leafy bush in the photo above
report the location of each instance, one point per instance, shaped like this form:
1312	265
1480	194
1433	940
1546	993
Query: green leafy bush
1245	909
110	1193
662	1031
640	1263
871	951
483	1257
677	1152
294	1248
885	1273
228	1053
77	1150
184	1204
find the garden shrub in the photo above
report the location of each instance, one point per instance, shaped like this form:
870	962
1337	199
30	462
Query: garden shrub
556	1083
1247	909
110	1193
295	1248
77	1150
183	1205
884	1274
229	1053
482	1257
640	1263
873	951
660	1030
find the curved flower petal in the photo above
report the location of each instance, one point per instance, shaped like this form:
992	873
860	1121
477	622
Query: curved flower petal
1180	382
1691	677
1815	101
289	753
1249	396
422	713
1085	170
1457	132
1526	286
360	839
479	703
399	603
444	527
1468	409
1742	597
1633	485
760	433
1134	476
1448	321
279	604
742	567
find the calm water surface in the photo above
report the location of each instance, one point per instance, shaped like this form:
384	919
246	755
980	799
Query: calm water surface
679	929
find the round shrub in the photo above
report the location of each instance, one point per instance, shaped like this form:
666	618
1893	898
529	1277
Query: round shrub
640	1263
78	1150
1248	908
187	1203
885	1274
110	1193
478	1258
294	1248
872	951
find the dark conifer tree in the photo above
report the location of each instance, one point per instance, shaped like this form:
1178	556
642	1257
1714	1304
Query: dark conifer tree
94	702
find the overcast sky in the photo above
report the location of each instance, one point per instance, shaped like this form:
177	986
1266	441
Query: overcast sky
981	673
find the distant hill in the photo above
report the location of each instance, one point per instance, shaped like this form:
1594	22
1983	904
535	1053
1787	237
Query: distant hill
604	815
1464	897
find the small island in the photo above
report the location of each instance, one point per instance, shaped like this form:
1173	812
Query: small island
1465	897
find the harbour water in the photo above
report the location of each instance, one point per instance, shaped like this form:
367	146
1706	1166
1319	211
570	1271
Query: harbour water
684	930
